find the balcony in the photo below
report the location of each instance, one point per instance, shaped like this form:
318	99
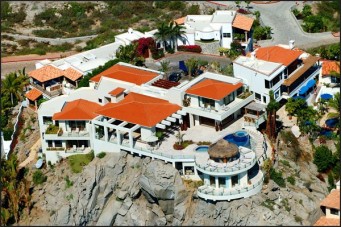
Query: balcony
216	194
56	149
52	91
223	111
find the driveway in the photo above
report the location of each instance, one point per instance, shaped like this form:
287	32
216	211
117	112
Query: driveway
285	27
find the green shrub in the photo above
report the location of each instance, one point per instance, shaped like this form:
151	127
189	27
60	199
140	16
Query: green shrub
285	163
323	158
48	33
52	129
277	177
7	132
68	182
269	204
291	180
38	177
101	154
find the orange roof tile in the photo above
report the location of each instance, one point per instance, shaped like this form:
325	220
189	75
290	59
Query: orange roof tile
139	109
243	22
330	66
46	73
117	91
125	73
79	109
180	21
324	221
213	89
33	94
278	54
72	74
332	200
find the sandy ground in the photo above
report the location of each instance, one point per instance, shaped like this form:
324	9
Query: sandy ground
13	66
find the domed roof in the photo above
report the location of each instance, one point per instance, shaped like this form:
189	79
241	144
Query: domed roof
207	29
222	149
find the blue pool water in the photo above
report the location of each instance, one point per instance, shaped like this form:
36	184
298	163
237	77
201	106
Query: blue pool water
202	148
240	138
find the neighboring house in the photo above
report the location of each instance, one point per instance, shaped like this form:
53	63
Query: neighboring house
328	69
287	71
224	26
124	108
51	80
129	36
32	97
331	207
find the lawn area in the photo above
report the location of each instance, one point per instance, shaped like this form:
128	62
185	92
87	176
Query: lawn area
77	161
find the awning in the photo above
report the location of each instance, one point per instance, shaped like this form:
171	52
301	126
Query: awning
303	90
311	83
326	96
298	97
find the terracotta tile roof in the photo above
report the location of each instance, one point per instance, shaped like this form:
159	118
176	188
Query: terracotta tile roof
243	22
324	221
213	89
72	74
46	73
330	66
117	91
180	21
277	54
125	73
33	94
139	109
79	109
332	200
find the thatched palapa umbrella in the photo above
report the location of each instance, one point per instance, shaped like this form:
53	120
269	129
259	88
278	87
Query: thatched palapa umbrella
222	149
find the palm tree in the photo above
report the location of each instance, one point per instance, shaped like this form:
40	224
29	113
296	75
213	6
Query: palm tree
335	103
163	34
128	54
176	31
191	64
15	189
12	85
237	4
24	78
180	136
271	109
247	3
165	66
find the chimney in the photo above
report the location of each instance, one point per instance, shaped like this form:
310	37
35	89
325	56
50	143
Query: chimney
130	31
291	44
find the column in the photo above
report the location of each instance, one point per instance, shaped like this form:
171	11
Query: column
246	38
243	179
105	133
206	179
216	182
118	136
191	116
35	104
228	182
130	136
174	164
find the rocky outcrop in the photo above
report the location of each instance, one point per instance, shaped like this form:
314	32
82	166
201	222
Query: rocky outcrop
124	190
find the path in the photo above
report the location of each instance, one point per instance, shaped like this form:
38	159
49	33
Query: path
52	41
285	27
33	153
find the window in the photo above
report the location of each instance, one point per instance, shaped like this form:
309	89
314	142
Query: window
100	100
335	80
257	96
226	35
208	102
47	120
264	98
276	79
334	211
267	84
276	94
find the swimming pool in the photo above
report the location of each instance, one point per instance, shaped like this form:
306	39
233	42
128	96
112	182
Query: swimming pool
202	148
240	138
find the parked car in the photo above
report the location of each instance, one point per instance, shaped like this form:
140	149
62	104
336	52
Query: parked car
175	76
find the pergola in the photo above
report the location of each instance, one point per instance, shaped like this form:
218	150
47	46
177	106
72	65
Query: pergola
253	110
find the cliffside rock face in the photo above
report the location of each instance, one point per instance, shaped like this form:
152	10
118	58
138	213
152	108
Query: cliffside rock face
120	189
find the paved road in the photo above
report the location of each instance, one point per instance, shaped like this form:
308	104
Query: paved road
285	27
52	41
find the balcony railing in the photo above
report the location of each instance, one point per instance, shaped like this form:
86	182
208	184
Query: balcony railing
51	94
55	149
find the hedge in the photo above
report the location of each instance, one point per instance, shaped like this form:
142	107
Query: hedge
190	48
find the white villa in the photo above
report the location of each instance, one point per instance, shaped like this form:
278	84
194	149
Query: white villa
287	71
223	26
126	105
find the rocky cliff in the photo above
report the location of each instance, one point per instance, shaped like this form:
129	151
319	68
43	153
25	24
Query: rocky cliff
123	190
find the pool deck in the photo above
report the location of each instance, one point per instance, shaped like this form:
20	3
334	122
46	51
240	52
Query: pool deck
196	134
